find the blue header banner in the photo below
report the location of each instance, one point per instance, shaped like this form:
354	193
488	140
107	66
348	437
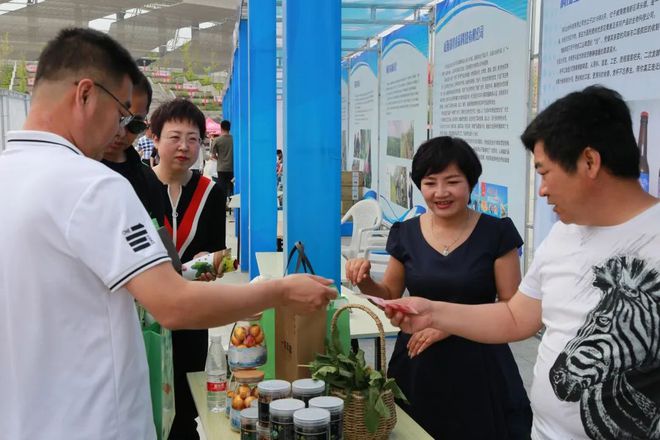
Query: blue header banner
415	35
366	59
448	9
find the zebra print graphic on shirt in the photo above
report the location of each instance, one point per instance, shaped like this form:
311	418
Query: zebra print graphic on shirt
612	365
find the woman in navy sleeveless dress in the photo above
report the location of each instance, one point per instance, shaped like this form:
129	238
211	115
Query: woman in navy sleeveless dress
458	389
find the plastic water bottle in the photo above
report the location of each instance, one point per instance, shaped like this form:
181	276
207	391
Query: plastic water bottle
216	376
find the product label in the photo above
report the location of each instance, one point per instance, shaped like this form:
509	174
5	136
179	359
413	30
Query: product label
235	419
644	181
248	433
251	357
216	386
281	430
193	269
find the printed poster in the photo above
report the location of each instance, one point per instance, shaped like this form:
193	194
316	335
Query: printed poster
480	93
404	94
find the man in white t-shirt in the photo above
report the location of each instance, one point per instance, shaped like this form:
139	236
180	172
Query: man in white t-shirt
594	282
76	248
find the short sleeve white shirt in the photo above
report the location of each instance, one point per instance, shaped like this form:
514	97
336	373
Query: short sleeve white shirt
597	374
72	363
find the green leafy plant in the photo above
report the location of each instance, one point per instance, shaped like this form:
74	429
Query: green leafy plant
349	372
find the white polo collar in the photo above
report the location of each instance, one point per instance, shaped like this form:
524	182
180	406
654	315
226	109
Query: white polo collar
19	138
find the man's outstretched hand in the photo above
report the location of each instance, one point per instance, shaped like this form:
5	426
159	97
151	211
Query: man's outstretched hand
307	293
400	315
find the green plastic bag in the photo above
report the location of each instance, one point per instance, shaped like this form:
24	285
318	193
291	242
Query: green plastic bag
158	344
343	324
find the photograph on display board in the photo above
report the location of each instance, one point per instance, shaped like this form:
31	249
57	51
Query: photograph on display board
399	187
490	199
361	143
400	139
367	167
646	124
362	154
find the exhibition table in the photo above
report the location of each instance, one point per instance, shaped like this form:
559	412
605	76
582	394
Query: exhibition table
216	425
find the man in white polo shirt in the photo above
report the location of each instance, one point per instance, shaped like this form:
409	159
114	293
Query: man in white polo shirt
594	282
76	248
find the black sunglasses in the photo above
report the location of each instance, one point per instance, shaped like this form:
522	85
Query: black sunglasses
137	126
123	119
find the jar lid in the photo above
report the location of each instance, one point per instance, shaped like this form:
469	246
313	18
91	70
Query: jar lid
331	403
285	407
250	414
309	417
274	386
308	386
248	375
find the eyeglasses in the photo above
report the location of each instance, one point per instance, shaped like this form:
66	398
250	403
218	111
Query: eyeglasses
137	125
123	120
176	138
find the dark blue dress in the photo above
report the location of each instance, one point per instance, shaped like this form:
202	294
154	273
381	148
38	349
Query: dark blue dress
459	389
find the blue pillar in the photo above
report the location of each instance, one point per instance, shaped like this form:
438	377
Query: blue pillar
262	202
236	130
236	124
242	115
312	130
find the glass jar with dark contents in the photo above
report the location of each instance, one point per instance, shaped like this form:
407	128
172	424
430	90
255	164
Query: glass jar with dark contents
281	418
312	424
270	390
335	406
249	419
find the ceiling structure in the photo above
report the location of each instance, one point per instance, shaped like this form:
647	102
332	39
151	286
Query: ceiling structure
158	30
362	21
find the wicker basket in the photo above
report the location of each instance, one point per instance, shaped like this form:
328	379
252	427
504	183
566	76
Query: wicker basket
354	408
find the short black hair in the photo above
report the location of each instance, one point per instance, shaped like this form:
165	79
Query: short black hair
178	109
225	125
595	117
142	85
78	51
436	154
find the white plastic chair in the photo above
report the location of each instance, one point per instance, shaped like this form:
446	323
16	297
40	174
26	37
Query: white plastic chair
378	239
375	251
367	216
